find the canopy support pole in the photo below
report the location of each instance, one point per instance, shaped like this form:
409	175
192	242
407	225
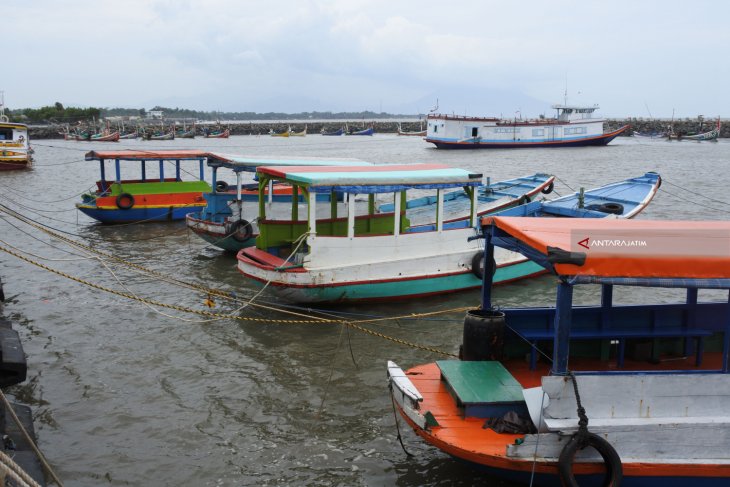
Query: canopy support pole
350	216
177	170
487	277
162	170
396	214
563	318
726	339
439	210
144	170
118	171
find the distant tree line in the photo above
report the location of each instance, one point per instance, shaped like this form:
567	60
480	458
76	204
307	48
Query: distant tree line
58	114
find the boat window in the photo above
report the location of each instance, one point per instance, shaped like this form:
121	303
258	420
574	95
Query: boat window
538	132
474	131
435	129
6	134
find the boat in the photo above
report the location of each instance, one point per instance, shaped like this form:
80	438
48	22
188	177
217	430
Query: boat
224	222
573	126
713	134
382	255
218	134
299	134
144	198
419	133
128	135
367	131
286	133
160	135
184	133
340	131
105	136
15	150
622	394
650	135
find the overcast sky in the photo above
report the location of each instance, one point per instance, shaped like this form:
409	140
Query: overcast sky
633	58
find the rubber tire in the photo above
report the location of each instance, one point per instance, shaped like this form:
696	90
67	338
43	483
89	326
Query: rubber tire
241	231
221	186
524	199
477	265
611	208
121	201
549	188
614	469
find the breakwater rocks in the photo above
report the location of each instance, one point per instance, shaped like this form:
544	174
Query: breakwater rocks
685	126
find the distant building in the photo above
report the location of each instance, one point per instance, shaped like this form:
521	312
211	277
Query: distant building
155	114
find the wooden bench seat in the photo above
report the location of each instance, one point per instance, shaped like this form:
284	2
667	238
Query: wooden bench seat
533	336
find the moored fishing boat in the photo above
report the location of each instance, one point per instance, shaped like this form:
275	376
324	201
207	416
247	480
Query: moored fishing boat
368	257
286	133
15	150
105	136
367	131
224	222
218	134
340	131
160	135
128	135
573	126
299	134
653	415
143	199
418	133
713	134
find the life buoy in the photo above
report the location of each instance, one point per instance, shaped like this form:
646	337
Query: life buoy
614	469
477	265
240	230
548	189
21	139
611	208
125	201
221	186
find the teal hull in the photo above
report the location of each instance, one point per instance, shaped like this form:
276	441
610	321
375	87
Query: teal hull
394	290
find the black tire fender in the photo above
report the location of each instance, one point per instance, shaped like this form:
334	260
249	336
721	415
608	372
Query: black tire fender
221	186
549	188
125	201
524	199
611	208
477	265
240	231
614	469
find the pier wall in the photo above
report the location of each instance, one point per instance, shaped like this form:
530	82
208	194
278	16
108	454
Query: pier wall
685	126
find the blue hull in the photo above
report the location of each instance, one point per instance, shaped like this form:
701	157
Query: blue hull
139	214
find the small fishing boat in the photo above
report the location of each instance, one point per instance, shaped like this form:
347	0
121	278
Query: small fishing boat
184	133
367	131
649	135
382	255
128	135
15	150
144	199
622	394
713	134
286	133
105	136
224	222
419	133
218	134
299	134
340	131
573	126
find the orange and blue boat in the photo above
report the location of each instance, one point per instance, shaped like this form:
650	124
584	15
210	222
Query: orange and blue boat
145	198
610	394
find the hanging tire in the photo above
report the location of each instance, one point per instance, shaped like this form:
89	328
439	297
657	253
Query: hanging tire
125	201
548	189
614	469
611	208
240	231
477	265
524	199
221	186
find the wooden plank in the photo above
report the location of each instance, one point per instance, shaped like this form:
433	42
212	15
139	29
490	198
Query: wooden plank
480	382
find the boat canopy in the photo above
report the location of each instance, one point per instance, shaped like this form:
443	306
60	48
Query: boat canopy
143	155
361	179
616	251
251	163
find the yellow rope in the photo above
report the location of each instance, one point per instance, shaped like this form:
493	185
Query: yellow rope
352	324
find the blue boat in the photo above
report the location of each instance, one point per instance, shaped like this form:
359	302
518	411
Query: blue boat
623	394
335	133
623	199
223	221
367	131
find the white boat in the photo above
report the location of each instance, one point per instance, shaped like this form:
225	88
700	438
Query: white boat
573	126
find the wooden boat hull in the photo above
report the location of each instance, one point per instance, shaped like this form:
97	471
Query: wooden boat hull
368	131
113	137
14	164
600	140
138	215
215	232
482	448
335	133
219	135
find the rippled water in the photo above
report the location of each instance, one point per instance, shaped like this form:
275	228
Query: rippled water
128	394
